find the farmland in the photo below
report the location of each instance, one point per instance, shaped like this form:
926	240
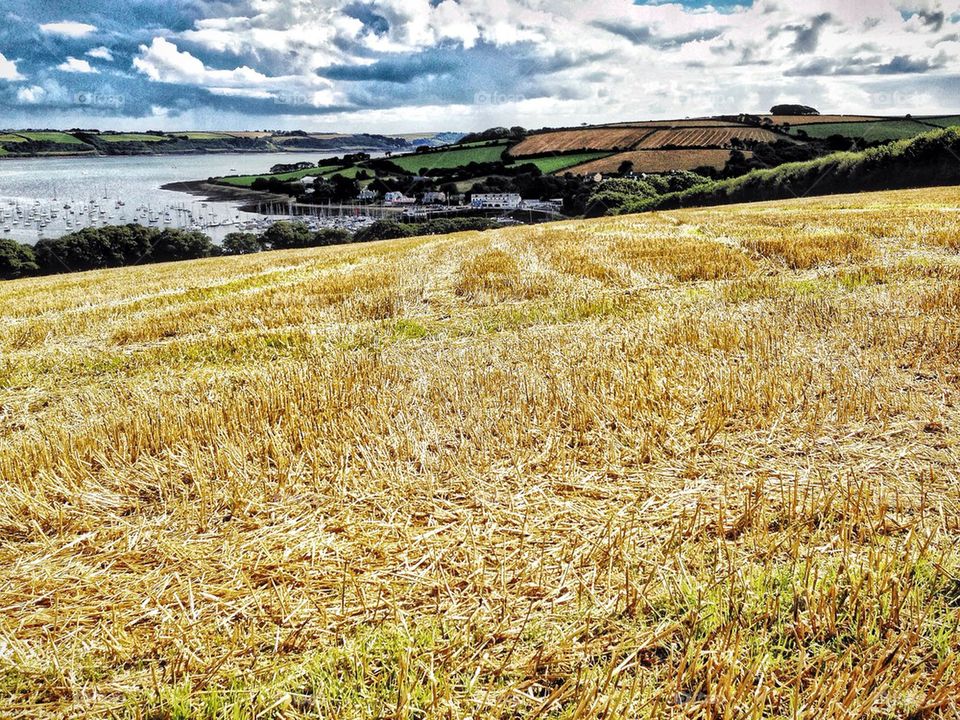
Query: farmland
131	137
817	119
452	158
561	163
585	139
673	465
942	121
704	137
657	161
870	131
59	138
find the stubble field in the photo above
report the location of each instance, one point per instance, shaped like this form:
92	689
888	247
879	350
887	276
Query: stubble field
691	464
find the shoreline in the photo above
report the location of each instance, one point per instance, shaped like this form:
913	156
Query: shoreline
198	153
260	203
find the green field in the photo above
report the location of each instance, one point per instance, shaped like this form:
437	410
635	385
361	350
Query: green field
203	136
550	165
448	159
132	137
59	138
11	138
870	131
943	120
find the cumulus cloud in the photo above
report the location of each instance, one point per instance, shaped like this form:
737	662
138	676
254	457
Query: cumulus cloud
68	28
527	62
100	53
8	69
30	95
75	65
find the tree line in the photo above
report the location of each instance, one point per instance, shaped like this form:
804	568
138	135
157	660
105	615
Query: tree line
115	246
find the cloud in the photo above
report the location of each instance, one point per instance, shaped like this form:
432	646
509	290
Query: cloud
30	95
317	63
74	65
904	65
934	20
100	53
68	28
808	36
8	69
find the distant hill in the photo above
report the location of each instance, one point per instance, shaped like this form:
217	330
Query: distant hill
34	143
657	146
931	159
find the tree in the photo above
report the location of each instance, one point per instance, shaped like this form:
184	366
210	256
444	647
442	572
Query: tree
241	243
345	188
284	235
793	110
626	168
16	260
331	236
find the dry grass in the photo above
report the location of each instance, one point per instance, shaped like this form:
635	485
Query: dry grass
615	138
656	161
697	464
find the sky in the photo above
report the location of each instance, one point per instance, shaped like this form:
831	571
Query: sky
395	66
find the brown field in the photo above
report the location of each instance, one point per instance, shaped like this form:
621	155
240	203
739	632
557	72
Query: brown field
705	137
586	139
656	161
686	123
814	119
252	134
693	464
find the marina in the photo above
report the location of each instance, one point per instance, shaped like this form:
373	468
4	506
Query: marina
51	197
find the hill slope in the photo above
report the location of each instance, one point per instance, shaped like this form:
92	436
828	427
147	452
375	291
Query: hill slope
632	467
928	160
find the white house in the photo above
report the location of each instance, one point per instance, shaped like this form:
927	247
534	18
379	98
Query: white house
434	198
367	195
398	198
492	201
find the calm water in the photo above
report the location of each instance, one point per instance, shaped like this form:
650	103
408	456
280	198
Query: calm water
35	192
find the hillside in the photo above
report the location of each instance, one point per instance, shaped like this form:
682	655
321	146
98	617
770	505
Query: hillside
678	464
927	160
33	143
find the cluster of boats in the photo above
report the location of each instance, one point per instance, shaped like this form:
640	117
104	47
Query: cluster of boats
38	218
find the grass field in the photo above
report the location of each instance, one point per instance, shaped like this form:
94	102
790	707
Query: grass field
942	121
132	137
445	159
11	138
205	135
690	464
248	180
52	137
658	161
871	131
557	163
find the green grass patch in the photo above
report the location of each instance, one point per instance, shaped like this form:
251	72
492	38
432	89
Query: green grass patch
550	165
448	159
11	138
870	131
942	121
59	138
132	137
204	136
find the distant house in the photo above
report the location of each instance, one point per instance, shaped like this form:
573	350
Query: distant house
434	198
398	198
367	195
496	201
